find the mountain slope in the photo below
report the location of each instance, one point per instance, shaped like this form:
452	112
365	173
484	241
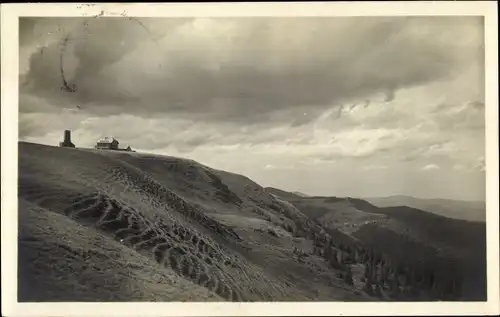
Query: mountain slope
452	249
100	225
133	226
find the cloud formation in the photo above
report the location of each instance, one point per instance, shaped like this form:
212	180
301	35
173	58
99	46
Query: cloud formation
357	98
244	69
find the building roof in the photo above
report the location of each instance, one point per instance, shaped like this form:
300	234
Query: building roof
107	140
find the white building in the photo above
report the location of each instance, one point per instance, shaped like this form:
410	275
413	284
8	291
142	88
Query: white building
107	143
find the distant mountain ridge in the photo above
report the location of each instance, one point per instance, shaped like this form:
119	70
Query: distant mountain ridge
301	194
457	209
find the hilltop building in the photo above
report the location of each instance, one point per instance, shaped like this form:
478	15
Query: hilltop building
67	140
107	143
110	143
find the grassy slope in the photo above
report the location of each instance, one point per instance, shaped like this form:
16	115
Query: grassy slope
102	225
60	260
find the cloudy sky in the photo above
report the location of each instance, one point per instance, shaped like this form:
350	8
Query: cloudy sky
365	106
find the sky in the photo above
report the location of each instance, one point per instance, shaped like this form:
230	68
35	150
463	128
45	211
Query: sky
334	106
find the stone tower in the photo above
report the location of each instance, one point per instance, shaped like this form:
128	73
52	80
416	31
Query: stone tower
67	140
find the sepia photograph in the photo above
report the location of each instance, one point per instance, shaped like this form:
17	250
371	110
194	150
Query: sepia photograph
250	158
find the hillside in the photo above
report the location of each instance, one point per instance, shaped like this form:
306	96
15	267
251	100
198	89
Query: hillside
130	226
100	225
456	209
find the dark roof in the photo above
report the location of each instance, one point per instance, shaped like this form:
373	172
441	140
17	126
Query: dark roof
107	140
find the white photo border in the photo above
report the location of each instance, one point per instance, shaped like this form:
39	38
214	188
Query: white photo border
10	14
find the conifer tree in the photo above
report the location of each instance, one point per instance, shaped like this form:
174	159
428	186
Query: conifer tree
334	260
348	276
395	284
367	273
327	251
377	290
368	285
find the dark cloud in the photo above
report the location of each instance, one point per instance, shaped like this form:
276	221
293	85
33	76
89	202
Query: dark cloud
389	95
478	105
26	28
240	70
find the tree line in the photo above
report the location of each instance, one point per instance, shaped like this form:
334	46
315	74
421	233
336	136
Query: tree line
389	277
